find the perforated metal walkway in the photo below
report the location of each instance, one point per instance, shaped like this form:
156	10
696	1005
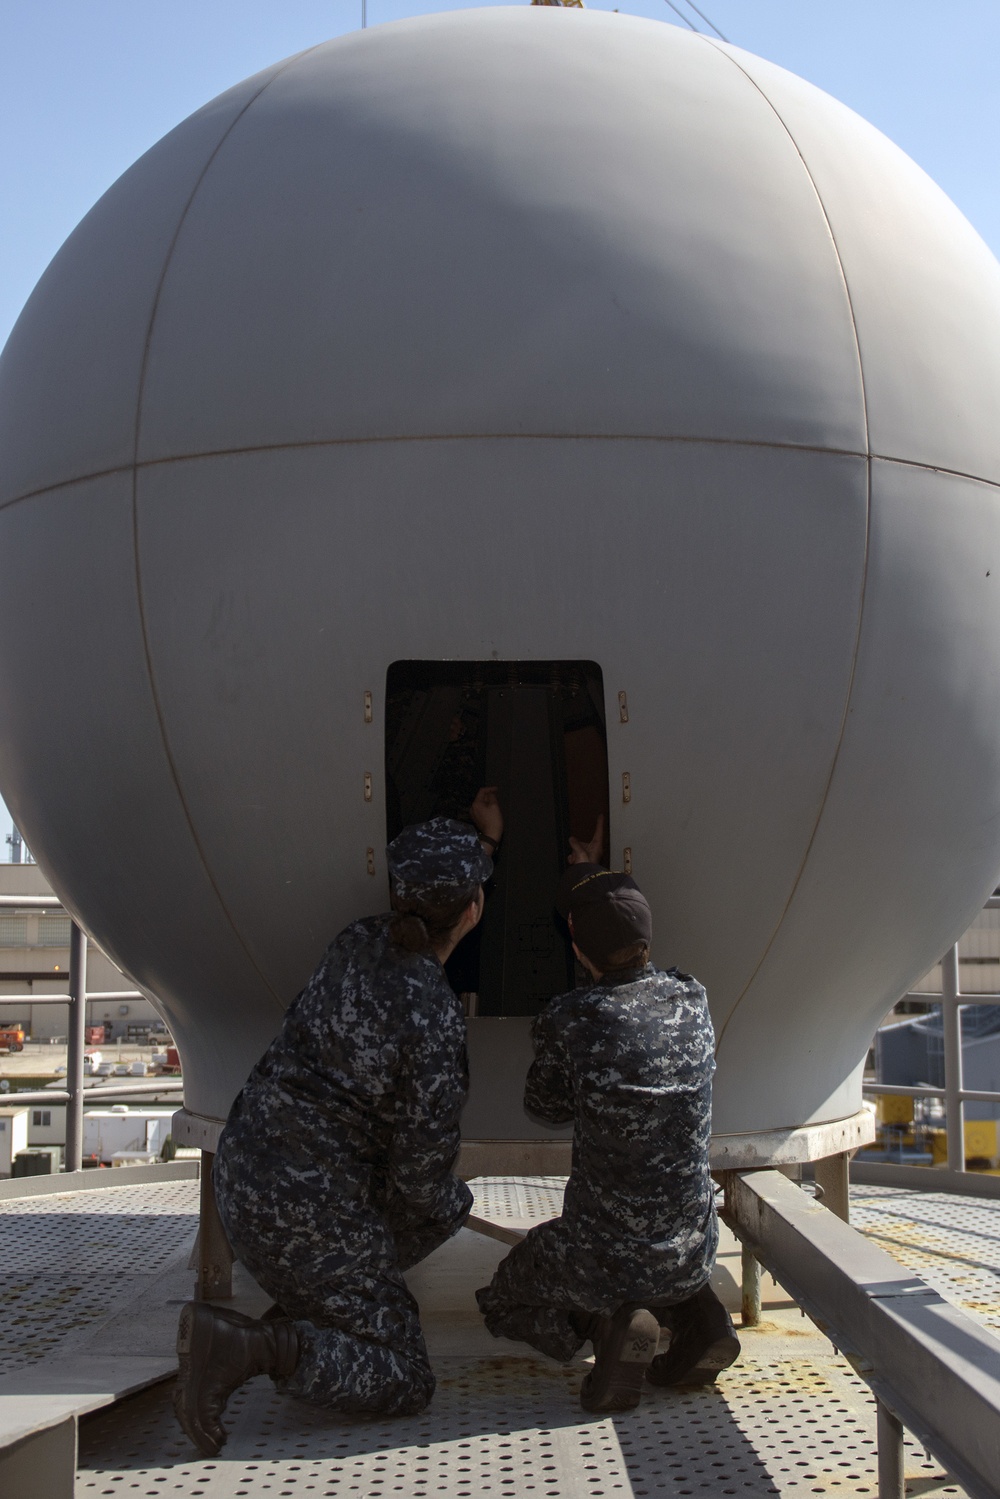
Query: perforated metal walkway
789	1419
952	1242
72	1261
507	1426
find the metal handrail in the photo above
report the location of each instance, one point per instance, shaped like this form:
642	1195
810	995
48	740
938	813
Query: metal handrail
64	999
924	1090
955	1095
933	997
62	1095
931	1367
34	902
76	1000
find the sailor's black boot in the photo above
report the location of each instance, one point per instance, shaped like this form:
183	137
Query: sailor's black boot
624	1345
218	1351
704	1342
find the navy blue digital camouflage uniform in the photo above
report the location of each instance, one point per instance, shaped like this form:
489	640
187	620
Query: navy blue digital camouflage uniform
629	1062
333	1172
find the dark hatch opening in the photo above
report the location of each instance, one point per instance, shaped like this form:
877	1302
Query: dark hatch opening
536	730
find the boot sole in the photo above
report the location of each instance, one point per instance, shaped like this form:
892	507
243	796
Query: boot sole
615	1383
718	1356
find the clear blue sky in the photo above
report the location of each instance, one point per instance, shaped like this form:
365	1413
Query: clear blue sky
87	85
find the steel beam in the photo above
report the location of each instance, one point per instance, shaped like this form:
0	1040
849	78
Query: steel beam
936	1369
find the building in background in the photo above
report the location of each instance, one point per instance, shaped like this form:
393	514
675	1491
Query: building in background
34	959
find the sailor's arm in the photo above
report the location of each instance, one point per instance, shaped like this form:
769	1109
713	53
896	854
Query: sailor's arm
548	1092
431	1095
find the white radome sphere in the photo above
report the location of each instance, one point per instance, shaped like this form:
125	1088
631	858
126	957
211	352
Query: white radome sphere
514	334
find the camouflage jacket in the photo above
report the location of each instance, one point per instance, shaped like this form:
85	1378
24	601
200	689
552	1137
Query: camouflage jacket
630	1064
359	1095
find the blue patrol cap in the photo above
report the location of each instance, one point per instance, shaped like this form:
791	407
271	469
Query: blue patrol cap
440	856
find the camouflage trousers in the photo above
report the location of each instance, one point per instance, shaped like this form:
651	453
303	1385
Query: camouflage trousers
563	1273
335	1268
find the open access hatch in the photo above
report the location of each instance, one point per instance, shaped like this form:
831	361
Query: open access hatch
536	731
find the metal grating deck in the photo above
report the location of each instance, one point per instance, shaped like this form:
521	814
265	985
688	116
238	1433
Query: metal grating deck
505	1207
789	1419
71	1258
512	1426
952	1242
512	1198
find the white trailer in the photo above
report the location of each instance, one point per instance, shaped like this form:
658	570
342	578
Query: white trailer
106	1132
13	1137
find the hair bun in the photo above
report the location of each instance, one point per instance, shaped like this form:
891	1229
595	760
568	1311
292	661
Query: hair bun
409	931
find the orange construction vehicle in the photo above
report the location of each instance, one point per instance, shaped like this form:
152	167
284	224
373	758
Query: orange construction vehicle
11	1038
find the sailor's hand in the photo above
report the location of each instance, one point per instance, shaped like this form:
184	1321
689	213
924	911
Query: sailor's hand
486	814
590	852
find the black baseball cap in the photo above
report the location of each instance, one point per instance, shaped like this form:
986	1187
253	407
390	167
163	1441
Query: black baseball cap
609	910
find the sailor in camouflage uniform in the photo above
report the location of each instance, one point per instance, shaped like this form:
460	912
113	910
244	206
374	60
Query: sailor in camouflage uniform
629	1063
333	1173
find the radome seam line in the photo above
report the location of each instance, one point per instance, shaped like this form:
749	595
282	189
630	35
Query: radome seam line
338	442
137	562
849	693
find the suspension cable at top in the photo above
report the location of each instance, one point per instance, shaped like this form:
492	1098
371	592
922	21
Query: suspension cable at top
683	17
697	12
707	21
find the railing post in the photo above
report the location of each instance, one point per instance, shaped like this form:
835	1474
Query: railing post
891	1454
750	1299
75	1045
951	1020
